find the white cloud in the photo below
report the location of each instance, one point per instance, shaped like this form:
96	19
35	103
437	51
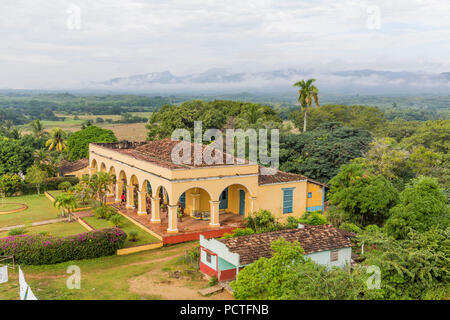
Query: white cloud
124	37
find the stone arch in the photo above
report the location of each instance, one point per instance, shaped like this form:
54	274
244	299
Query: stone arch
147	187
134	180
195	200
103	167
236	198
94	165
162	193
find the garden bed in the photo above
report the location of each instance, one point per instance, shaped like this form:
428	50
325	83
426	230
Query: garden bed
6	208
143	237
39	209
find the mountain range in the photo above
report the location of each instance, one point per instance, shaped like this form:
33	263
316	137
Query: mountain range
277	81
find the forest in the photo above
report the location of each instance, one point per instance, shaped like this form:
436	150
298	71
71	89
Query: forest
387	171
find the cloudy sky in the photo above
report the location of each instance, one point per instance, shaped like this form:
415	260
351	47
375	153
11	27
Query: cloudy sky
58	43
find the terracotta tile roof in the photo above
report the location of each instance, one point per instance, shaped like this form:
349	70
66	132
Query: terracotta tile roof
159	152
68	166
278	176
311	238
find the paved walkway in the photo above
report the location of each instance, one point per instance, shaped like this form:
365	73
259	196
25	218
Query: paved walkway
34	224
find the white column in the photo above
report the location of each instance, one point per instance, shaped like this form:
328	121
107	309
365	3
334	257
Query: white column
130	197
142	203
214	214
172	215
155	211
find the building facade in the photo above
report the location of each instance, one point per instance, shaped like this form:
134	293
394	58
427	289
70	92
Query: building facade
224	258
148	177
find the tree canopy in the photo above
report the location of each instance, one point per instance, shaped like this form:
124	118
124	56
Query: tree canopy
78	142
319	153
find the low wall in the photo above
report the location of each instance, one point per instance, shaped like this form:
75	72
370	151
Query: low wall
144	247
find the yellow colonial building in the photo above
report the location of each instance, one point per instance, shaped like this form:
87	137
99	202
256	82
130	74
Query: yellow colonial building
152	183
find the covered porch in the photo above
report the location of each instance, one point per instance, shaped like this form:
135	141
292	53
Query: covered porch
189	228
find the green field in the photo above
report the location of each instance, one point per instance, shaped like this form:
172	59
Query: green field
127	226
39	208
60	229
144	275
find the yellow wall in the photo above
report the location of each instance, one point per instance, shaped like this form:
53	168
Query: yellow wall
214	180
317	195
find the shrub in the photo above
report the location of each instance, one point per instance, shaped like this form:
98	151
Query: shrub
65	185
44	233
239	233
116	220
104	212
314	218
350	227
213	281
40	250
17	231
133	236
10	183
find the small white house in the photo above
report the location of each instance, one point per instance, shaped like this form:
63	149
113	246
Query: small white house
324	244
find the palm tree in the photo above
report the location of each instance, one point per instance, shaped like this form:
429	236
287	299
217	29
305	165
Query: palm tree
37	128
307	93
57	140
66	202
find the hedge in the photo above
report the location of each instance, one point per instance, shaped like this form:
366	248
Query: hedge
40	249
49	184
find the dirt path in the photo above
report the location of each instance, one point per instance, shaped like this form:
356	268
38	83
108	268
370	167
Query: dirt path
151	283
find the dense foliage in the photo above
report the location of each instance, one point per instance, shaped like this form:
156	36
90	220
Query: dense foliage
289	275
216	114
364	197
39	250
416	267
422	206
319	153
78	142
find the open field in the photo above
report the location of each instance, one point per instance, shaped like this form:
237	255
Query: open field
60	229
127	226
157	274
123	131
39	209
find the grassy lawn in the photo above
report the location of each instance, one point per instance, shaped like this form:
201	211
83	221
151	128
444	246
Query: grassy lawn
127	226
59	229
39	209
144	275
9	206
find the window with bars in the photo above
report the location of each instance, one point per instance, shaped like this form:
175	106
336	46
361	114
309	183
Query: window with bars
334	255
288	200
208	257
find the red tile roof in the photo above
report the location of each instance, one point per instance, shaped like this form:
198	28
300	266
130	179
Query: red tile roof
311	238
66	167
159	152
278	176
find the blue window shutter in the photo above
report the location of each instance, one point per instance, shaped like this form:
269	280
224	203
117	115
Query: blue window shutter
183	199
224	199
309	194
288	200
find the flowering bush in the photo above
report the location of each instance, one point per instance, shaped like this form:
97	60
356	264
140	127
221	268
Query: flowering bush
40	249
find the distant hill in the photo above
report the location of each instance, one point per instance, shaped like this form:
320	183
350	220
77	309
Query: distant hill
217	80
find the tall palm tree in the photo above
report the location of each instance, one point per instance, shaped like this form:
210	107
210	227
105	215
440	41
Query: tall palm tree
307	93
66	202
57	140
37	128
